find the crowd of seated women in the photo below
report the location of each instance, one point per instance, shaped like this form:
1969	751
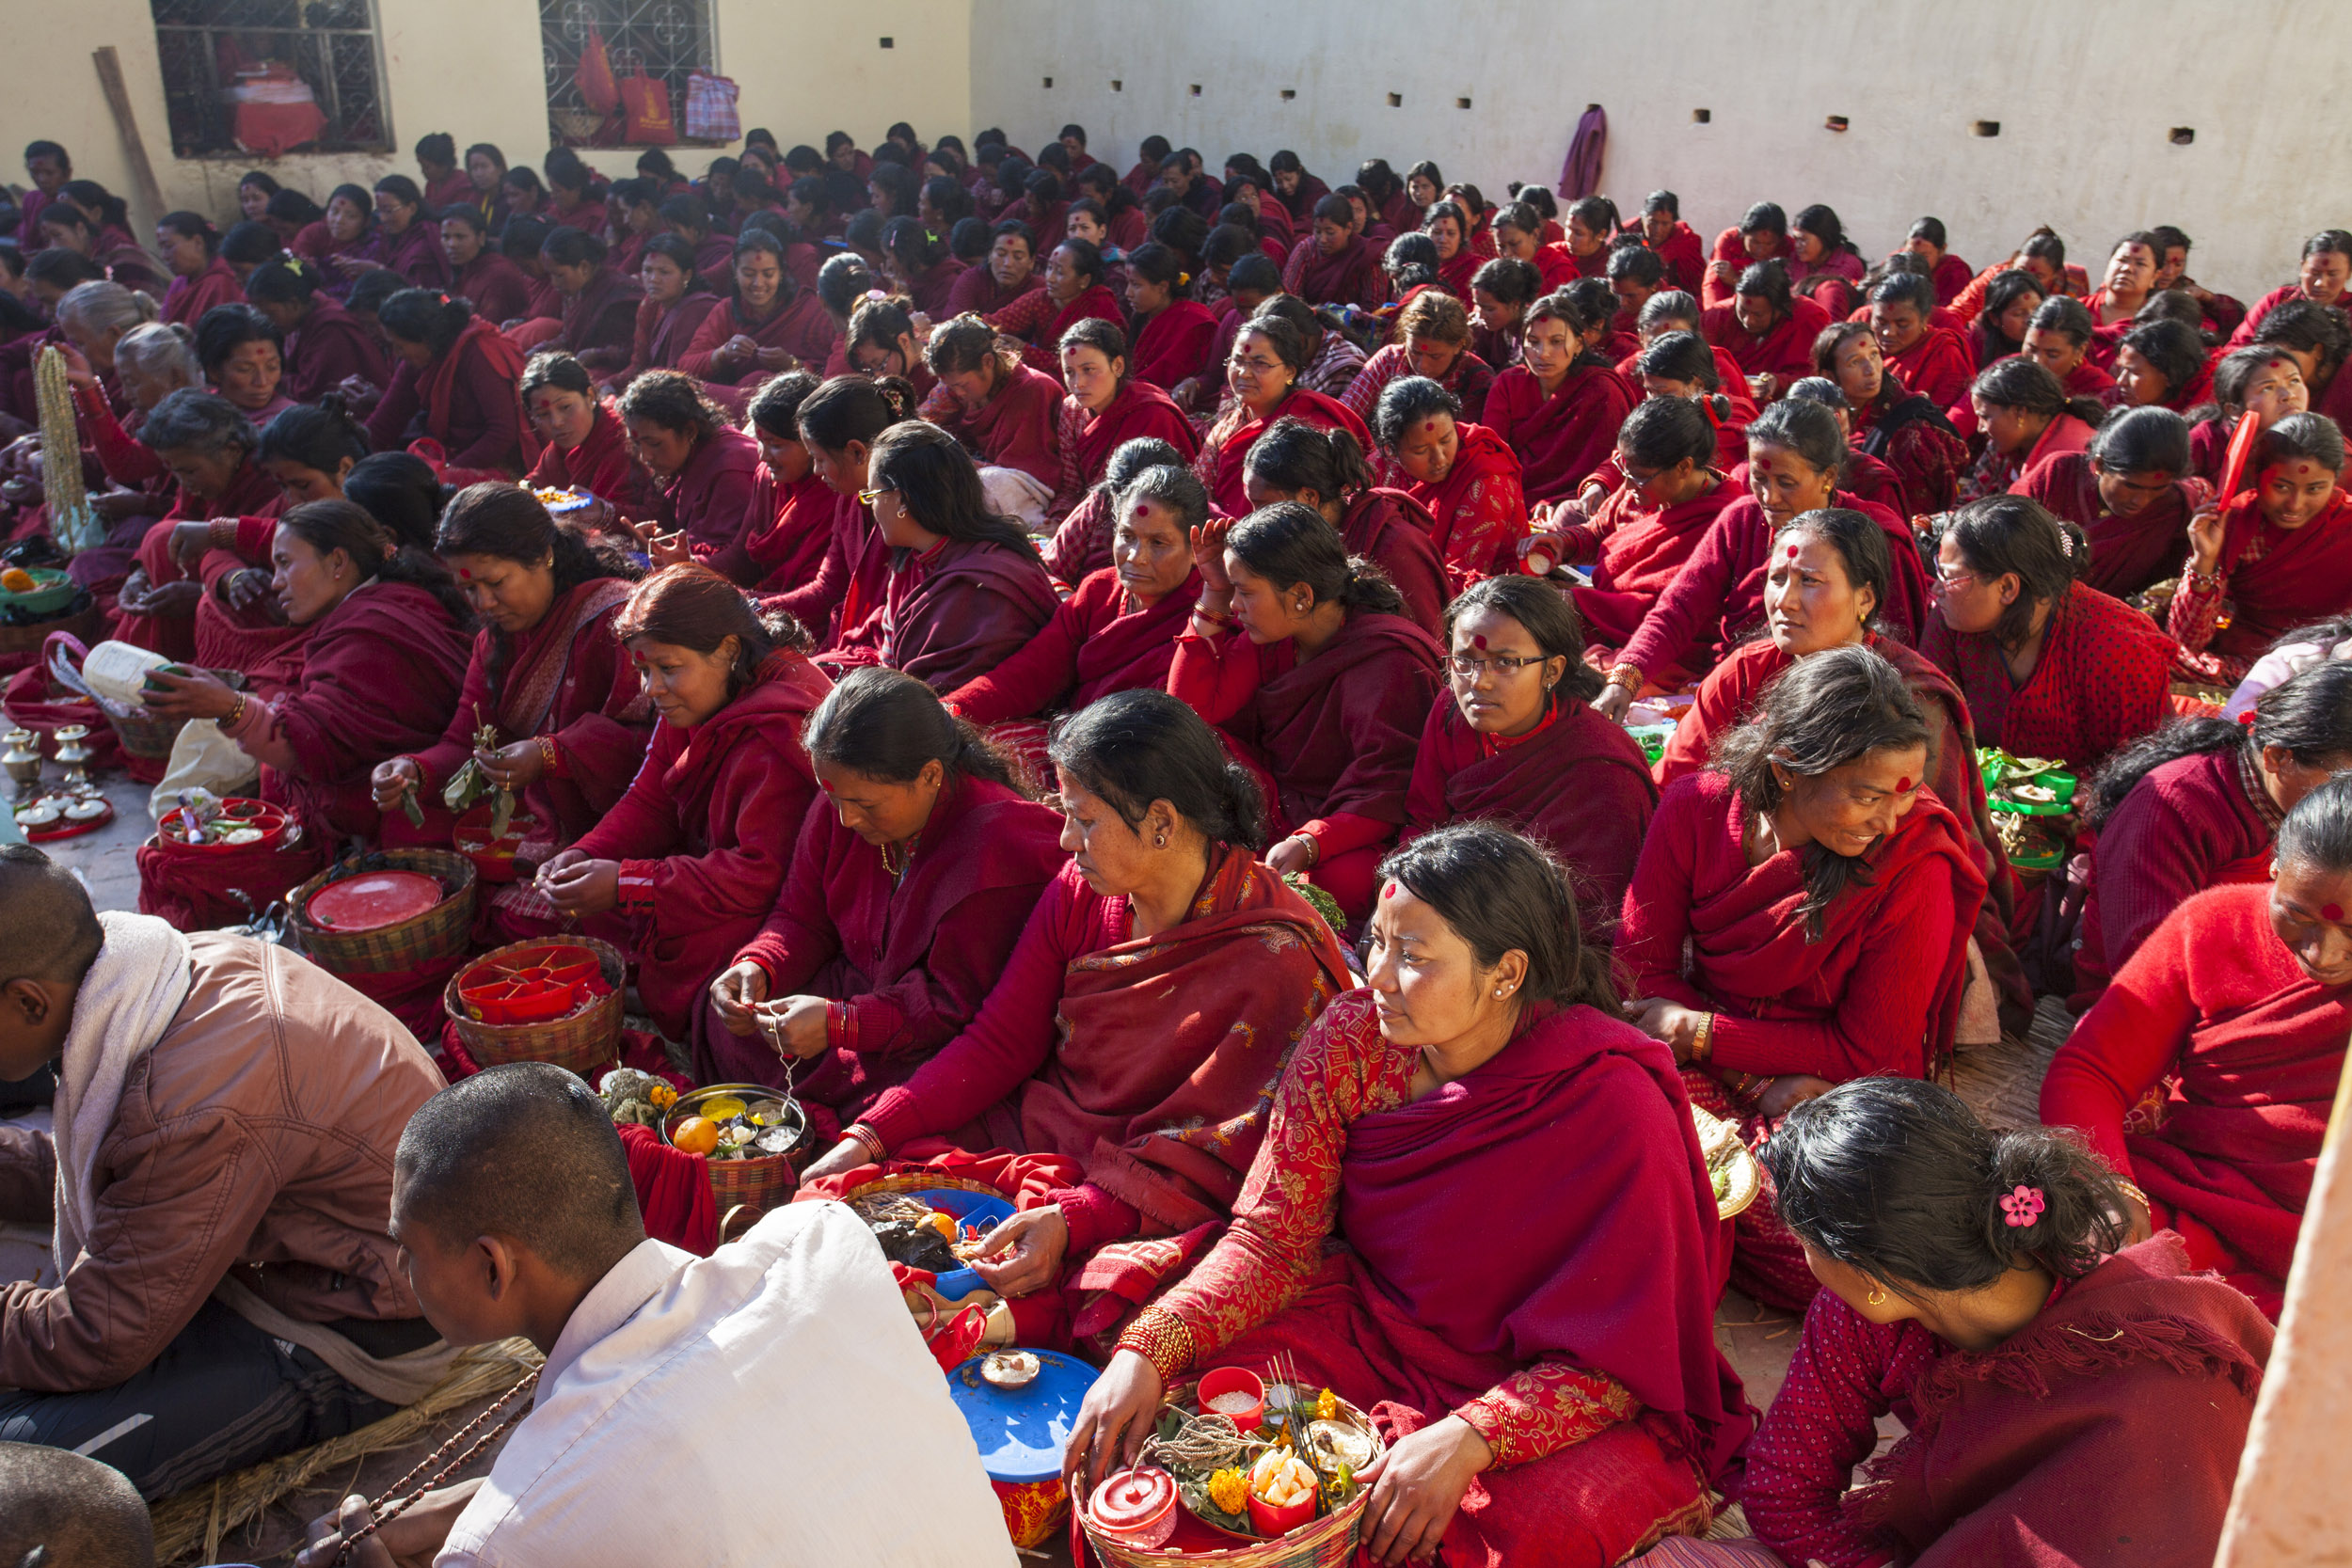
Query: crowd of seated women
1118	690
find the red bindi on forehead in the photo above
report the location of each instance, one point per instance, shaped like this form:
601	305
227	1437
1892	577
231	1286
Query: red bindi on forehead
1793	552
1429	427
1902	786
1762	464
1479	643
1143	509
1390	890
2333	911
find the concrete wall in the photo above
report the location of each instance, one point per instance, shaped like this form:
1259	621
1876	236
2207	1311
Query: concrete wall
2086	94
473	70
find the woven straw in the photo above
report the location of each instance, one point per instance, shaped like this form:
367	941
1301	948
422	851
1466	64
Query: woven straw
763	1181
1324	1543
88	626
191	1525
918	1181
421	941
587	1042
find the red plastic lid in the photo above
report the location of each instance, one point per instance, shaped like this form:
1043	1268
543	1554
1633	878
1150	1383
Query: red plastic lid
372	900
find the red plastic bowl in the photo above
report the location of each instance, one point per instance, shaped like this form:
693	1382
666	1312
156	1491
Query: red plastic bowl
1233	1380
372	900
1272	1522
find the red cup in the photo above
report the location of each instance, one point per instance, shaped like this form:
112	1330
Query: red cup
1233	1380
1271	1521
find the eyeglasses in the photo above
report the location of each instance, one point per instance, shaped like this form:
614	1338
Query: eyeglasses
868	498
1471	667
1955	581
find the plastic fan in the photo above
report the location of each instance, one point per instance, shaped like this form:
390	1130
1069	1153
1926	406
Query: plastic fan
2243	441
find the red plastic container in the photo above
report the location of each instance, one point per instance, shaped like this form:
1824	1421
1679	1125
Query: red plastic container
372	900
1135	1507
1272	1521
493	859
537	985
1233	1380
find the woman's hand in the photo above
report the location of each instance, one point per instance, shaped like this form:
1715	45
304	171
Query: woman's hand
172	601
1034	1241
1113	1422
734	993
668	549
847	1155
1613	702
115	505
77	371
1295	853
794	1026
392	780
1416	1484
359	394
1723	272
2205	530
189	541
179	692
1187	393
1208	554
578	886
248	590
777	359
1670	1022
515	767
1785	1093
741	346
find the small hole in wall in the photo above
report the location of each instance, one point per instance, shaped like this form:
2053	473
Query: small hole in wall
1838	122
890	43
1049	81
1289	93
1461	102
1196	89
1988	128
1700	116
1117	85
1396	101
2183	134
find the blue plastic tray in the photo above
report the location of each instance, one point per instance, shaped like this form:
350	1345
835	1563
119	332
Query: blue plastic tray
1022	1432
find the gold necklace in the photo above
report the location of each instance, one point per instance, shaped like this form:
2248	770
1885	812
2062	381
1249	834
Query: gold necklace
894	861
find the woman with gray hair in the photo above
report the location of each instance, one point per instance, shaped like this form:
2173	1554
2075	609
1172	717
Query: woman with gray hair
205	445
152	360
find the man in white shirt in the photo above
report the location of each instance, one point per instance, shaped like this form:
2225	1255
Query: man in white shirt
772	1404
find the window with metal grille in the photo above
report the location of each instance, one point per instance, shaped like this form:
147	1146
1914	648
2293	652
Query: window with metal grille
668	40
268	76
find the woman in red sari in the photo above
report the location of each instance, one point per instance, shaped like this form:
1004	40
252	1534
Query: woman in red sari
672	310
1172	334
1434	341
1560	407
380	669
1006	413
325	345
789	522
2131	279
1515	738
1269	358
1676	242
2262	381
92	223
190	246
2050	667
456	384
2026	418
546	670
1683	365
1796	456
1828	576
965	587
1760	235
478	270
207	446
2319	339
1124	1061
2281	553
2060	1396
1531	1421
2131	494
1303	659
2323	269
1932	361
2231	1016
839	424
1107	406
2198	804
1009	272
238	347
587	445
1826	899
1448	228
1889	422
767	323
1767	329
1116	633
689	860
912	879
1462	475
1335	265
1073	291
408	240
1324	469
704	463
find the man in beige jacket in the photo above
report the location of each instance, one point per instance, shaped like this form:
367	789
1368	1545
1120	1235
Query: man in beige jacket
217	1180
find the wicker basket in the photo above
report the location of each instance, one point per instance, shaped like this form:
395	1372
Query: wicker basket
761	1182
88	625
587	1042
920	1182
1324	1543
143	735
437	936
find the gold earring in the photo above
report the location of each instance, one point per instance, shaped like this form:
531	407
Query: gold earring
1876	1296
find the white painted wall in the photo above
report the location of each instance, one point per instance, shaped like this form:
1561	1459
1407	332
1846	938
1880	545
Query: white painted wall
473	68
2086	94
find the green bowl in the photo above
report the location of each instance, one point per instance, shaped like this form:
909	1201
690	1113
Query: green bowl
52	589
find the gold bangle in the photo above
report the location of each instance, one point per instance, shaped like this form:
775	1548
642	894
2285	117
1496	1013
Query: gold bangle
871	1139
236	711
2138	1197
549	755
1160	1337
1704	1041
221	534
1628	675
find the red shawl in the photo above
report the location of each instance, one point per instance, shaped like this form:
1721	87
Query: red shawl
784	534
415	254
1096	304
705	832
2128	554
1222	997
601	320
934	286
1786	350
1454	272
1142	409
251	493
186	300
799	326
1337	731
2245	1050
2103	679
906	959
568	679
1478	508
962	608
1938	367
1100	640
1396	533
710	497
332	343
663	336
1351	277
1599	1108
1577	783
1641	549
601	465
2281	578
496	288
1018	426
1173	344
2116	1415
1751	956
975	292
380	676
1227	447
1560	438
494	358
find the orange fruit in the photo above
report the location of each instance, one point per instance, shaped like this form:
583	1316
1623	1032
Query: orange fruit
695	1135
945	1223
18	581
